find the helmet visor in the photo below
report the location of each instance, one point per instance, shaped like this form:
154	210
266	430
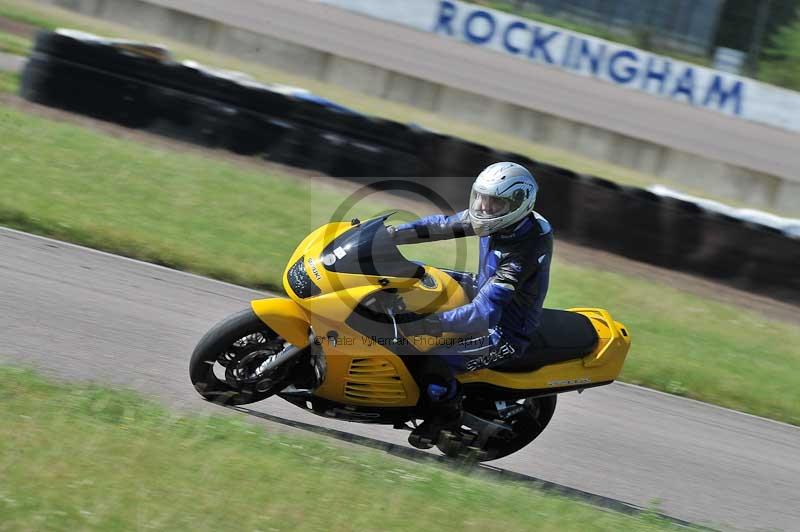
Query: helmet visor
484	206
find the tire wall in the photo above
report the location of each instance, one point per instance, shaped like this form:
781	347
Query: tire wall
93	77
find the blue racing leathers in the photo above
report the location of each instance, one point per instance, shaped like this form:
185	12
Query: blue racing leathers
512	281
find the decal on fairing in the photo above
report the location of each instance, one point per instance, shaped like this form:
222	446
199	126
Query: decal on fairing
314	270
572	382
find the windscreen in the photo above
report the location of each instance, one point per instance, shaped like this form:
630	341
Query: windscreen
368	249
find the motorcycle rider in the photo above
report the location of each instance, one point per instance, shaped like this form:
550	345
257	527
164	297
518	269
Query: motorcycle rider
514	263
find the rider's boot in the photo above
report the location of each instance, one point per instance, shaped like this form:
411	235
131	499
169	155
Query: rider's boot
444	414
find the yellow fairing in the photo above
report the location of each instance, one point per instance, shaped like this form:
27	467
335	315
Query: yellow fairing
444	294
359	371
311	250
285	317
362	371
601	366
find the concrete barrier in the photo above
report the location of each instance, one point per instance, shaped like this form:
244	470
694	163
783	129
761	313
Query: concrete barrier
270	51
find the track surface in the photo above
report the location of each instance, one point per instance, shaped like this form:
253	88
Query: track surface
11	63
78	313
547	89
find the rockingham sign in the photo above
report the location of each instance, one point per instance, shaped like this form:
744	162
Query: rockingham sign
625	66
592	57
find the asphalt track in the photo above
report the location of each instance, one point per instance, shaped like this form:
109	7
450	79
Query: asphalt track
506	78
77	313
11	63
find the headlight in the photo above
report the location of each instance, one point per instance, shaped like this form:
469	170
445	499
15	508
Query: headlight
300	282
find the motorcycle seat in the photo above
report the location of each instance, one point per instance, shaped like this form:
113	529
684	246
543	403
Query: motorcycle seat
562	336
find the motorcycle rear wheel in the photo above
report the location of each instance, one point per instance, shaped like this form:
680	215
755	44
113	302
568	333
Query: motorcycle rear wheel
219	364
527	425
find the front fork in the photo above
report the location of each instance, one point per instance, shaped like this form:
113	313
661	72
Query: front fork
318	362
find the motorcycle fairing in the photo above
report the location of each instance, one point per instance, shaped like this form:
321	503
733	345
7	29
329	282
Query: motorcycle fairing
361	370
602	365
364	371
368	249
355	263
285	317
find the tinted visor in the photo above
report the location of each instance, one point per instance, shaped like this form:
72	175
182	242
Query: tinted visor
486	206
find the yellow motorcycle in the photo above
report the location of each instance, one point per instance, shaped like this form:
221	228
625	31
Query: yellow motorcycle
334	346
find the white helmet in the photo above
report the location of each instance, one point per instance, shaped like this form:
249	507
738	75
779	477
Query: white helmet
502	195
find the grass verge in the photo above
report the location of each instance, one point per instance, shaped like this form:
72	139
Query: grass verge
50	17
9	82
239	223
14	44
123	463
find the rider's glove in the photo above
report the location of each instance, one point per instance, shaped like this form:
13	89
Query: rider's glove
411	324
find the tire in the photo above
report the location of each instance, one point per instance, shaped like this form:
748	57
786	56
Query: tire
246	133
214	346
557	186
528	425
205	83
70	86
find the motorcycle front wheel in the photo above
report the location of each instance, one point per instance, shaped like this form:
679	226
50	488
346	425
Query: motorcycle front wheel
225	365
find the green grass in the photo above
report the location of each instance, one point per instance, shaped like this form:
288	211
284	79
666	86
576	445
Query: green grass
27	13
9	82
240	222
89	458
14	44
50	17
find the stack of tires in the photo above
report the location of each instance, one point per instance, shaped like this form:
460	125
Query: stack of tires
140	86
128	84
74	71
